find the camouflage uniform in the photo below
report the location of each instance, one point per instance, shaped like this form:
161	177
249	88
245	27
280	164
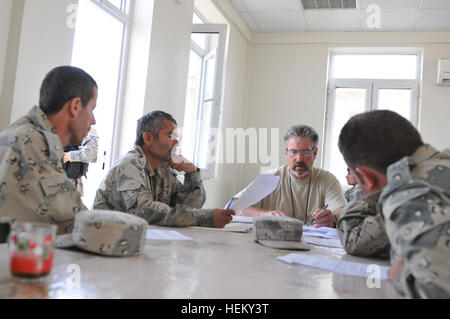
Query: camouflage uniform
87	153
348	194
132	186
416	212
361	228
354	193
88	149
33	183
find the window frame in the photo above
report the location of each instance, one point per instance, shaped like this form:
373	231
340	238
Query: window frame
372	86
217	100
125	19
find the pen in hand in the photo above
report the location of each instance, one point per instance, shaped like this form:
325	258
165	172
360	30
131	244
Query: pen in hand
231	202
313	219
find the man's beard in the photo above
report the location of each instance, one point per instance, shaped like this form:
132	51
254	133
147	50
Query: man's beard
300	174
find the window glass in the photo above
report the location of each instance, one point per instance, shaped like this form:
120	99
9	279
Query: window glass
374	66
348	102
365	82
98	50
397	100
203	97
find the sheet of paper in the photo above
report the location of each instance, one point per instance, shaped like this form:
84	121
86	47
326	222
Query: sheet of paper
337	266
242	219
158	234
262	186
238	227
323	232
327	242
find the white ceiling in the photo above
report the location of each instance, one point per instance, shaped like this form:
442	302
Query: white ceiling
395	15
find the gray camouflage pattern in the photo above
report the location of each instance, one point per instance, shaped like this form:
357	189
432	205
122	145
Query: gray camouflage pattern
87	153
280	232
88	150
132	186
106	233
354	193
33	184
416	210
348	194
361	229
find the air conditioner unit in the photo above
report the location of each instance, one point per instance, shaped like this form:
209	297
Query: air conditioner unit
443	72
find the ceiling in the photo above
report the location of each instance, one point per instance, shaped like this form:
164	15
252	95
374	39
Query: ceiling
394	15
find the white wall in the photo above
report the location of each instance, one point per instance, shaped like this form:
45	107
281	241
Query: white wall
288	78
287	85
5	19
136	75
9	38
435	111
46	42
169	57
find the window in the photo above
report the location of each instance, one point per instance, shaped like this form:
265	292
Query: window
364	82
204	95
99	48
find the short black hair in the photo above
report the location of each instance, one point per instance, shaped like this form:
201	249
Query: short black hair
377	139
151	122
63	84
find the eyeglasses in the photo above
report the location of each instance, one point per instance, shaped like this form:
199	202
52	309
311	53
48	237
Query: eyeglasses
305	153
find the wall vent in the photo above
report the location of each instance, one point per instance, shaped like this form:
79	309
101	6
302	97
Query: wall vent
329	4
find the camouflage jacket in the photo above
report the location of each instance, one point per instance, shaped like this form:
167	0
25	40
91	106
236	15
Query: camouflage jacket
33	184
361	229
132	186
348	194
88	150
416	211
354	193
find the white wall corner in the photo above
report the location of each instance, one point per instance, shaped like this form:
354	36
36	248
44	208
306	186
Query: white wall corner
169	57
46	42
233	17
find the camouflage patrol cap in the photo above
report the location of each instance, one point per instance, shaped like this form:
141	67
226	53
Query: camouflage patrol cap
279	232
107	233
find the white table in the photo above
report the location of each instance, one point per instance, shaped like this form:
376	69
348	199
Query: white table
215	264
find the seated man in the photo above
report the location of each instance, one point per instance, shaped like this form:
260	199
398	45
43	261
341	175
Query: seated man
143	183
412	183
302	190
360	228
33	184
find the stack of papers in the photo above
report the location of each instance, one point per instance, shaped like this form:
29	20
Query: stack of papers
238	227
242	219
323	236
327	242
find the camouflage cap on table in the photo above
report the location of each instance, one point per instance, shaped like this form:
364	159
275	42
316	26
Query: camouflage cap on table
107	233
279	232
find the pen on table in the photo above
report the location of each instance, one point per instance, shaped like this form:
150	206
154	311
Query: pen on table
231	202
313	219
